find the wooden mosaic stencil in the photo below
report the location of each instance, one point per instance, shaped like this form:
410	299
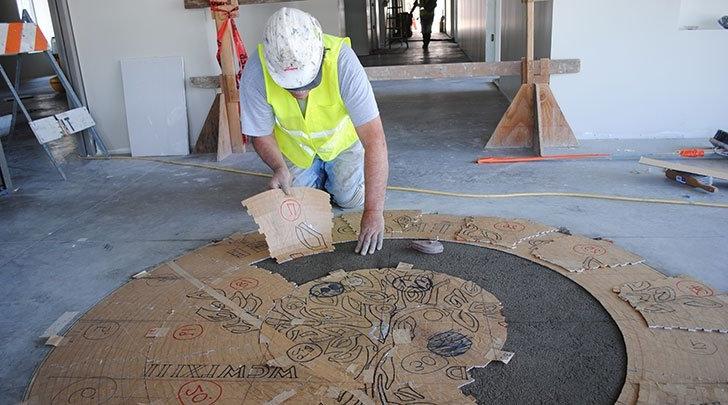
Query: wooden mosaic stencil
342	231
435	226
576	254
294	226
652	393
677	303
420	331
499	231
397	223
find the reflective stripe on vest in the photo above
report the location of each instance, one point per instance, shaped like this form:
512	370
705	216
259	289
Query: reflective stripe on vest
326	129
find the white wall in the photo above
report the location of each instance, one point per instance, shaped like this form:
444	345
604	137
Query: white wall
641	77
471	28
108	31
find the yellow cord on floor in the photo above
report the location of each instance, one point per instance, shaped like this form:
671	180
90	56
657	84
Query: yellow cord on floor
607	197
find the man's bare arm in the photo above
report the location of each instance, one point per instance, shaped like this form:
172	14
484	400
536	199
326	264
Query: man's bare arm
376	173
267	149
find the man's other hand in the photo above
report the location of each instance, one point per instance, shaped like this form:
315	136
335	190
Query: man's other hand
281	179
371	237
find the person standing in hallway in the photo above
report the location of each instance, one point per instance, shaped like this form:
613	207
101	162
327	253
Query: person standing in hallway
427	16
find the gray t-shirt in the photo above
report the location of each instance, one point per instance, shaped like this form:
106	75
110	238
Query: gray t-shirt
356	91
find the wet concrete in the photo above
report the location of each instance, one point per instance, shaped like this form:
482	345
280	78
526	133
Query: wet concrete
567	348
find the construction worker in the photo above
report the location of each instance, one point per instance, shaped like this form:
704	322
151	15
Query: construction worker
310	111
427	16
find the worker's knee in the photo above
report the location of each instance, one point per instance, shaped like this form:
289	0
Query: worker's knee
351	198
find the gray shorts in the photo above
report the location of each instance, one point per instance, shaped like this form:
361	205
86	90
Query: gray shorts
342	177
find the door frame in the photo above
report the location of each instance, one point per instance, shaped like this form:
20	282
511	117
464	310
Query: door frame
68	53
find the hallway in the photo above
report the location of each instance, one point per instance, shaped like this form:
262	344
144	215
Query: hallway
442	49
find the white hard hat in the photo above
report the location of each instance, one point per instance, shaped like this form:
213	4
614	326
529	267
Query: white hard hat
294	48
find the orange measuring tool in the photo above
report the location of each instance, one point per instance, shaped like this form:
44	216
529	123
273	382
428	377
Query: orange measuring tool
516	159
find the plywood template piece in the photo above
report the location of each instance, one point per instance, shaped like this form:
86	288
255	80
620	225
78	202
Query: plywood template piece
652	393
397	223
207	138
342	231
576	254
163	339
156	106
294	226
224	136
702	171
500	231
677	303
435	227
400	333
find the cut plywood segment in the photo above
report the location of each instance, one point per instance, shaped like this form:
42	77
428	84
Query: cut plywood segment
500	231
156	107
576	254
224	141
294	226
435	226
342	231
207	138
652	393
677	303
703	171
421	332
554	130
517	127
397	223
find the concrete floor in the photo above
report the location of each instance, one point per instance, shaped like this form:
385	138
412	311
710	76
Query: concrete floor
65	245
440	50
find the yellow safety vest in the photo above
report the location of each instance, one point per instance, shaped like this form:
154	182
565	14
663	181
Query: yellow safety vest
326	130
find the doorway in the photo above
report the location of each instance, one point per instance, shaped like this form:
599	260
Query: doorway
462	31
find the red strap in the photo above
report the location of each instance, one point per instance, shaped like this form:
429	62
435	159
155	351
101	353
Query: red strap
240	51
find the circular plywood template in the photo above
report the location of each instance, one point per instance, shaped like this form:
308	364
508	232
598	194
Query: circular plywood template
209	327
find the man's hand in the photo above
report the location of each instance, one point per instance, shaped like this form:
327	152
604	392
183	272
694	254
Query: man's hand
371	237
281	179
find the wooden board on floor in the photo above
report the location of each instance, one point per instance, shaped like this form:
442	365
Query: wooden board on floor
554	130
702	171
224	140
207	139
517	128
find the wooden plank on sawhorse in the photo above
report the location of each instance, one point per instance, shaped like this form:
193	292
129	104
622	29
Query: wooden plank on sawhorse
437	71
534	119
